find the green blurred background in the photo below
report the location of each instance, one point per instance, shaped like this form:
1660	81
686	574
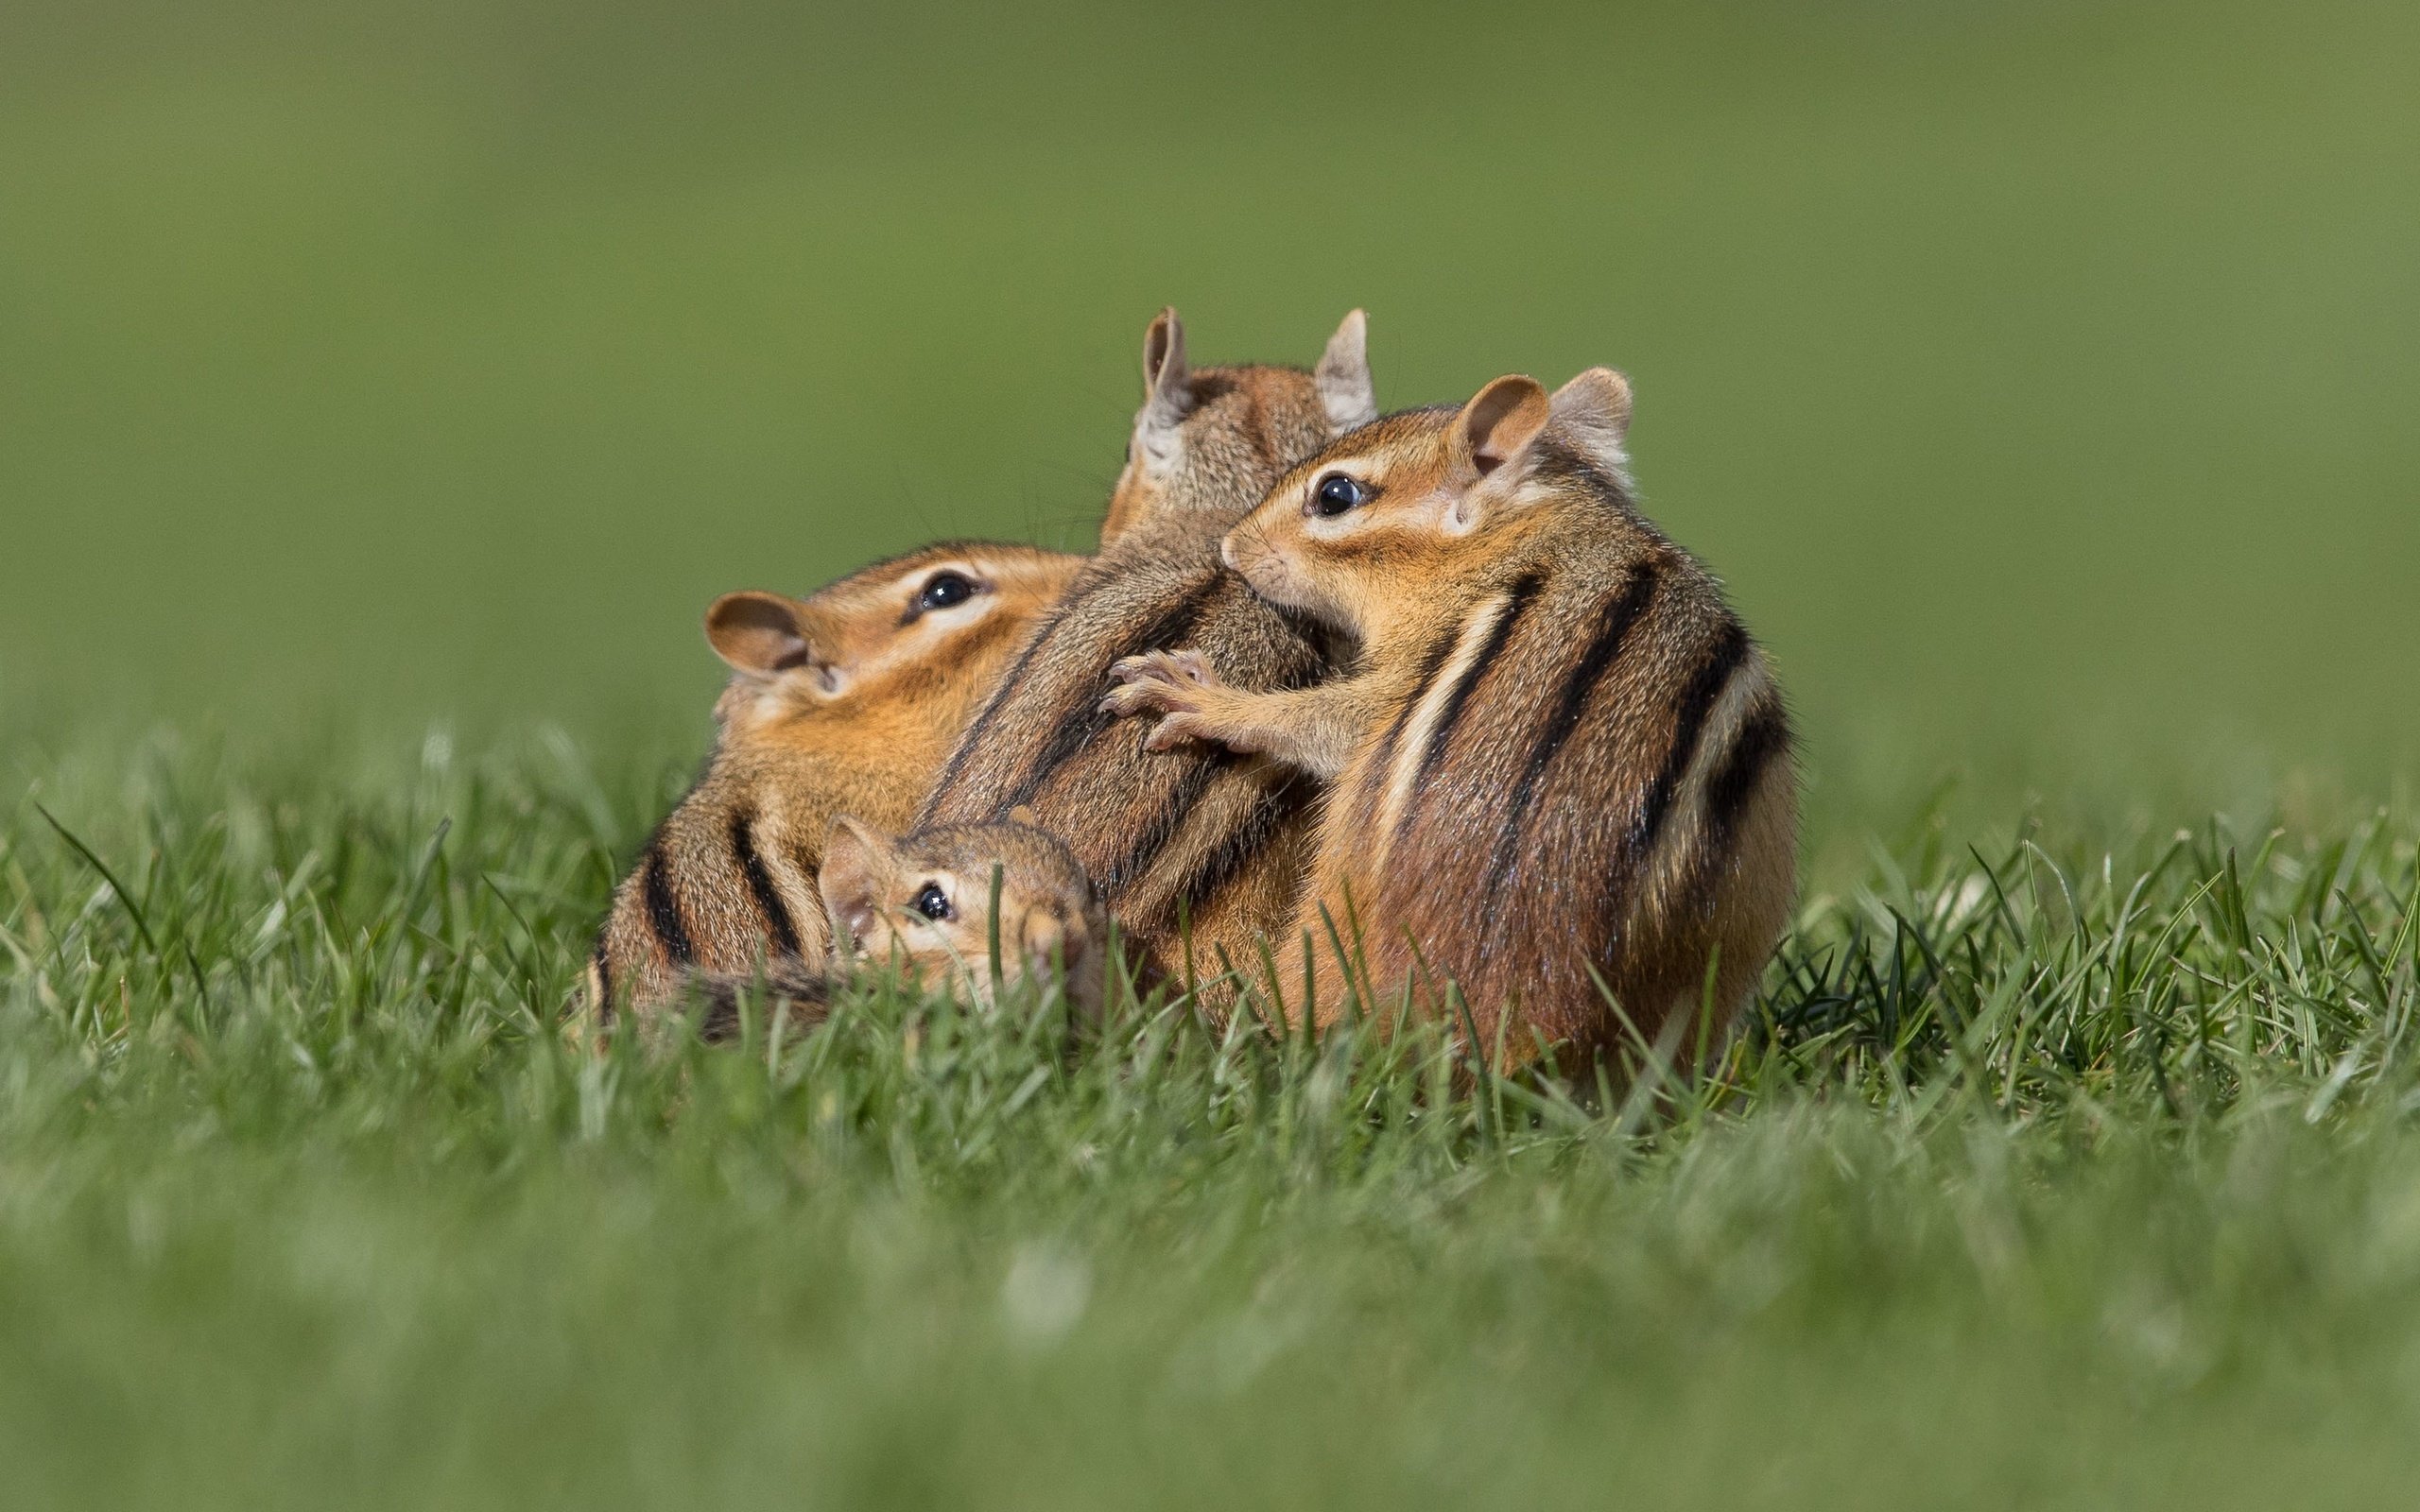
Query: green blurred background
2041	377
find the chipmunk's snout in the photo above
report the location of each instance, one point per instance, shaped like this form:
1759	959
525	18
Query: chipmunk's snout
1249	553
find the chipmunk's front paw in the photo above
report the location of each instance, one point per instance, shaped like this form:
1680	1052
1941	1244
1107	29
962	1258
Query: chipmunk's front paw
1179	684
1177	729
1176	668
1170	681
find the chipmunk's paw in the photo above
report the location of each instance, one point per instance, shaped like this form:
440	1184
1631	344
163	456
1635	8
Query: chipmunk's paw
1178	684
1166	666
1177	729
1136	698
1170	681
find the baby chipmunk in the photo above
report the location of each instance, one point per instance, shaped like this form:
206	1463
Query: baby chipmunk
1197	846
845	702
923	905
1558	757
924	902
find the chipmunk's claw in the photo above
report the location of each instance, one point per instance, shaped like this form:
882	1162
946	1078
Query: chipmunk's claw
1163	667
1169	681
1187	664
1136	698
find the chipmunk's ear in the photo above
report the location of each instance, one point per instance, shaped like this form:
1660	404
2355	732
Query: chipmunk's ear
1346	393
857	865
1168	388
1494	428
1594	410
1501	421
759	634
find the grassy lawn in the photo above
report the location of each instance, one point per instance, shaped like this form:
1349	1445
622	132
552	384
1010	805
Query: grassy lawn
2059	1171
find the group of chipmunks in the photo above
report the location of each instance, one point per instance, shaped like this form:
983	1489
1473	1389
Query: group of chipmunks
1443	725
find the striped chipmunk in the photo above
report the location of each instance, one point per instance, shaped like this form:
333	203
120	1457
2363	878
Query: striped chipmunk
925	902
1558	761
842	703
921	905
1196	846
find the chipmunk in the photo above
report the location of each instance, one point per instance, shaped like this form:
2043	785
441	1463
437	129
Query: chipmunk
1199	846
925	901
922	904
1558	758
844	702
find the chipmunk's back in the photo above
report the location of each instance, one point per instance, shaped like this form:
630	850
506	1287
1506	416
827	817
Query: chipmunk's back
1579	804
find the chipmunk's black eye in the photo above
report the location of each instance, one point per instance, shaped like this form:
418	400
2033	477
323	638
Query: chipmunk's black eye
944	589
934	903
1337	493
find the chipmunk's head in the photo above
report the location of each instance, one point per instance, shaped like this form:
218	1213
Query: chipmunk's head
1211	440
925	901
1352	534
916	627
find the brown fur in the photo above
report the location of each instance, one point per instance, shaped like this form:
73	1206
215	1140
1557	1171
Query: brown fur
842	703
1193	843
1558	759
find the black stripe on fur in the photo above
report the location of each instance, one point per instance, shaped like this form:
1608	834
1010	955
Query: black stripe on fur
664	912
1577	685
1523	593
760	883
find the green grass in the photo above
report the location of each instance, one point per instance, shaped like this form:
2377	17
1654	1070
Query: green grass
2065	1171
